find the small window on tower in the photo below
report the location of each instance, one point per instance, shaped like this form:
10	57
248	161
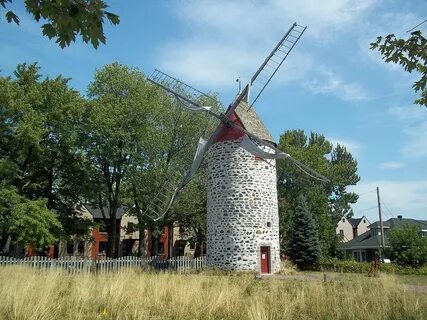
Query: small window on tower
268	224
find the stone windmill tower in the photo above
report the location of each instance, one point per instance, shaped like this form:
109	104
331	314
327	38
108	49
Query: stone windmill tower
242	209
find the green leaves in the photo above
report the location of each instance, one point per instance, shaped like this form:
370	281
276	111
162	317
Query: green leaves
329	202
49	30
10	16
411	54
304	247
27	221
69	18
408	246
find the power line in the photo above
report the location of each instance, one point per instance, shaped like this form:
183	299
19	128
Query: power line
392	215
417	25
367	192
370	208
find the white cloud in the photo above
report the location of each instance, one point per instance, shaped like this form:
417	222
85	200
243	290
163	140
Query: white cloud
407	198
330	83
238	18
230	39
392	165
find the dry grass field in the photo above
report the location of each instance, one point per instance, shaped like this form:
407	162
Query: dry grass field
26	294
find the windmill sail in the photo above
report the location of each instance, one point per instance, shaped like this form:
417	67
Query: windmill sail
189	98
272	63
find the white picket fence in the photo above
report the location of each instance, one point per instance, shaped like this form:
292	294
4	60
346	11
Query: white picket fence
78	265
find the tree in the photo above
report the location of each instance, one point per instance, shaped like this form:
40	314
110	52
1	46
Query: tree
38	159
329	201
411	53
189	212
68	18
304	249
408	247
169	153
119	131
25	221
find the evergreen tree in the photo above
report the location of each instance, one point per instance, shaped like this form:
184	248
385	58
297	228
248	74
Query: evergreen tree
304	248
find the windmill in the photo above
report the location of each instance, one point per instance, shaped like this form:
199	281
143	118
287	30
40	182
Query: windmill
242	209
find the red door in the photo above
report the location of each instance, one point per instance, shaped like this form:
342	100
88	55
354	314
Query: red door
265	259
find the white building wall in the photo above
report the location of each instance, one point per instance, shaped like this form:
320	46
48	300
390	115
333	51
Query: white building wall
242	210
347	229
363	226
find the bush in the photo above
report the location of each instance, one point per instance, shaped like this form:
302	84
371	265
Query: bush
352	266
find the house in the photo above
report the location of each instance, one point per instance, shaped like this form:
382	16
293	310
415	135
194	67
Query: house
366	245
170	242
350	228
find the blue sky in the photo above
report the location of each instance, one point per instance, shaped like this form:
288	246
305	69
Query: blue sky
331	83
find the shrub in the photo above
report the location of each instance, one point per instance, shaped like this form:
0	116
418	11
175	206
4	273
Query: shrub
353	266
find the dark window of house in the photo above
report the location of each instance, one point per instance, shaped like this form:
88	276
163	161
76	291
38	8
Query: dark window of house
103	248
268	224
192	245
81	247
341	233
364	221
179	247
161	248
343	219
127	247
70	248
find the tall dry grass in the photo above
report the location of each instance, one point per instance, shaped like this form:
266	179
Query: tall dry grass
26	294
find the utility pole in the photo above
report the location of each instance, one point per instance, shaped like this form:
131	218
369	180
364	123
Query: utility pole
381	223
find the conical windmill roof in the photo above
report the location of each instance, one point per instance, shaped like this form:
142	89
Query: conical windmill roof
252	122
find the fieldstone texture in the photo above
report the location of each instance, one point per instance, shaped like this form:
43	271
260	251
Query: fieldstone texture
242	212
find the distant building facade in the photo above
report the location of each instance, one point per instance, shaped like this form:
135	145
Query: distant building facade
349	229
366	245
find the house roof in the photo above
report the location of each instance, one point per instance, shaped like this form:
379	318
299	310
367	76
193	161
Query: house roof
364	241
373	240
97	214
355	221
400	223
252	122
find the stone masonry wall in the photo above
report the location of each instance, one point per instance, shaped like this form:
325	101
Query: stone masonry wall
242	212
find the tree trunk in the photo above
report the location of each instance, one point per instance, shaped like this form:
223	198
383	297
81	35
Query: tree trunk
6	247
112	236
198	251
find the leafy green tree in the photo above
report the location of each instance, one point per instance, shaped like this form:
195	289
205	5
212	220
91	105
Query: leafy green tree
66	19
165	160
411	53
329	201
189	212
408	247
118	134
304	248
38	133
25	221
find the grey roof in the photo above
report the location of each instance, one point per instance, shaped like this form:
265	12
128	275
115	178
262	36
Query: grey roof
252	122
367	240
97	214
364	241
400	223
355	221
